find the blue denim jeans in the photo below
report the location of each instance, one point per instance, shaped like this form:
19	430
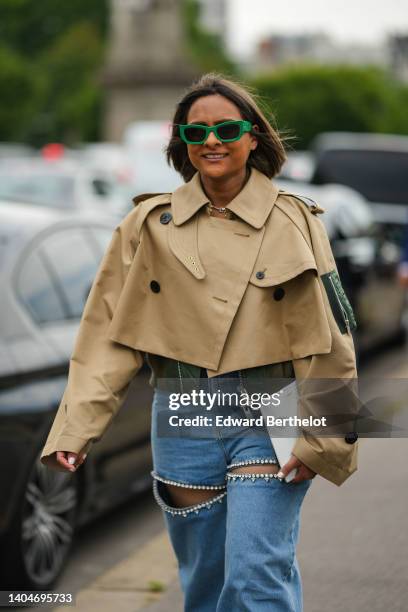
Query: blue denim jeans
236	551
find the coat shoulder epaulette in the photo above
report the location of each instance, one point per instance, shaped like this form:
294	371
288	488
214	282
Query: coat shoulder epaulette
312	206
145	203
149	196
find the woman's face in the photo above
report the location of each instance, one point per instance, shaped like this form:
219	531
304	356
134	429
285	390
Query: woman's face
210	110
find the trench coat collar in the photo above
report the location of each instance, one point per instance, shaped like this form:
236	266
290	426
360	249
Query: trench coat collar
252	204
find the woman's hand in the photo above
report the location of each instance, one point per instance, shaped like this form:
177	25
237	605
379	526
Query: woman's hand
303	472
64	461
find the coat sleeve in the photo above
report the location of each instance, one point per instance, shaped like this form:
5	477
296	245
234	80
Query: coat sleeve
327	382
100	370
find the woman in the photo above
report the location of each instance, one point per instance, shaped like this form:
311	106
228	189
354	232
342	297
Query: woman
223	282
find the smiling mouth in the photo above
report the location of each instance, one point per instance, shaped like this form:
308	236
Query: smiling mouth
215	155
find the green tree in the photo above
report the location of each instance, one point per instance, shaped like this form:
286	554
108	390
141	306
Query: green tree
73	101
31	26
55	52
309	99
21	92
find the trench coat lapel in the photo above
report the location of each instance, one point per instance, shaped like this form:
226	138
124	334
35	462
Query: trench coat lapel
183	232
253	205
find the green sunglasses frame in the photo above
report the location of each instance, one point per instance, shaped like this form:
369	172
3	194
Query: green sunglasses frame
245	126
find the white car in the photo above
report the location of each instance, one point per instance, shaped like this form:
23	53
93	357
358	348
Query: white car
64	184
144	143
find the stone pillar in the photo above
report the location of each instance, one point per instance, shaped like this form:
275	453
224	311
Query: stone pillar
148	66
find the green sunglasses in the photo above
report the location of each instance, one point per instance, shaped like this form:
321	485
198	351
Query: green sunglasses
228	131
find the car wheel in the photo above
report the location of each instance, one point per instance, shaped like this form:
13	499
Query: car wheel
42	533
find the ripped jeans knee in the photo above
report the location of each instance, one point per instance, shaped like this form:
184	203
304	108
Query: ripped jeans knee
252	531
252	469
164	499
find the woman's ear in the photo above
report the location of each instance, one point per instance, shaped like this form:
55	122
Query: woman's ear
254	140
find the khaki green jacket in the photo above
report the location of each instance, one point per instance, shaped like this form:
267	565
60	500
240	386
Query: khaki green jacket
153	294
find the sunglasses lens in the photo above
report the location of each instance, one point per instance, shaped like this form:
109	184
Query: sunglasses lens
229	131
194	134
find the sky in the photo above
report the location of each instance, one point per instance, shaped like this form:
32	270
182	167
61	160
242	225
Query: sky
364	21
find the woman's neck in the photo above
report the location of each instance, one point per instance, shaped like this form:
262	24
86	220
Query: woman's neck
222	191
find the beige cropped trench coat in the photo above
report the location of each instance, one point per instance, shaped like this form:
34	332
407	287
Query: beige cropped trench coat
153	294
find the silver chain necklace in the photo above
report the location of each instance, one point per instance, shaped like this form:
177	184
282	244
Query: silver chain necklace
221	209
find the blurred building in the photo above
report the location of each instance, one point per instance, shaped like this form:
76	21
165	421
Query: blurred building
147	64
398	46
278	49
213	16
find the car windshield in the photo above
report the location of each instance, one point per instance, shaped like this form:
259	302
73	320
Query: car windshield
53	190
379	175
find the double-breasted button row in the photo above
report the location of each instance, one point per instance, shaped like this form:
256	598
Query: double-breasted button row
165	217
155	286
279	292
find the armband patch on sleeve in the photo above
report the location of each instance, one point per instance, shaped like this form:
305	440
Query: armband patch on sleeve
341	307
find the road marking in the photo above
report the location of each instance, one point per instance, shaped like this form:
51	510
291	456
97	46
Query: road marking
128	585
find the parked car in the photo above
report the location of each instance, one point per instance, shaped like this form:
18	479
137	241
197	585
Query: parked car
48	260
65	184
144	143
367	261
115	162
376	165
15	150
298	166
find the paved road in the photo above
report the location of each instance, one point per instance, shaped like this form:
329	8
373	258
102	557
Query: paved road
353	549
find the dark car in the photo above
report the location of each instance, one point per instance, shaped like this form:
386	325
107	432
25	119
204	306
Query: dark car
48	260
376	165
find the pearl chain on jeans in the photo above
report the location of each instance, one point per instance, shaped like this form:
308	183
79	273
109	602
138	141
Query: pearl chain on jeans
184	484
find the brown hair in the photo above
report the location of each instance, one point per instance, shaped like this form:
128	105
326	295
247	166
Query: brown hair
268	156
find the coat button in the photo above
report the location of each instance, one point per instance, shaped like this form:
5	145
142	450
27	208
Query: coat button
278	293
165	217
260	275
154	286
351	437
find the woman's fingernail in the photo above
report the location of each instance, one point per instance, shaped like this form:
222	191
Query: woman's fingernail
280	475
71	460
85	455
